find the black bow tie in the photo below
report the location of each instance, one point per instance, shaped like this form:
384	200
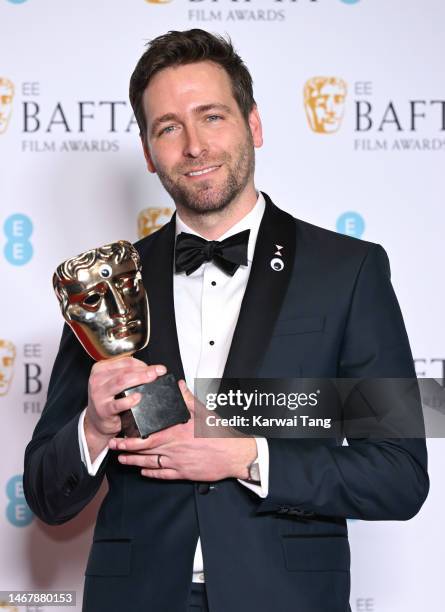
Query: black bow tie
192	251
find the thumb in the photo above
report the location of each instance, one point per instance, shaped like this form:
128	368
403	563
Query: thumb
188	396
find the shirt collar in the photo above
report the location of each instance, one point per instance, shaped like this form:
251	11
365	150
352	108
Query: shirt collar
251	221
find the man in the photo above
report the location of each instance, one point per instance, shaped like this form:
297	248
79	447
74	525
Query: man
268	530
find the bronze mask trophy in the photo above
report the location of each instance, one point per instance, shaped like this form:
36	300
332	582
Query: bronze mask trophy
103	300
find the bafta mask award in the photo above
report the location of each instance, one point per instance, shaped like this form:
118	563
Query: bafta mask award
103	300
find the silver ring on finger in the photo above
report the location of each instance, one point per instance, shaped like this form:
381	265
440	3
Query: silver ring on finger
159	462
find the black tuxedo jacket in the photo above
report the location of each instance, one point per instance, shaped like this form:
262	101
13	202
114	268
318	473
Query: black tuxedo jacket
331	312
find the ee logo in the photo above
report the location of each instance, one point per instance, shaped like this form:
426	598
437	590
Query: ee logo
18	249
17	511
351	224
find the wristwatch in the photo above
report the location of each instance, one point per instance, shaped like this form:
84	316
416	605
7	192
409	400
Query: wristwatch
254	472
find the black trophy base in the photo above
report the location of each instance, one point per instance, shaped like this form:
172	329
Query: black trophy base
161	406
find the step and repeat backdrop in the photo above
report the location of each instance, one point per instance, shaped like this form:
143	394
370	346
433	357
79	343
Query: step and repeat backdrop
352	99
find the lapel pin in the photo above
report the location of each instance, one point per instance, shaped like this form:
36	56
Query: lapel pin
277	263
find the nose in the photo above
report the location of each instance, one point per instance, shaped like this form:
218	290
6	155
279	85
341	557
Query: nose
195	144
117	302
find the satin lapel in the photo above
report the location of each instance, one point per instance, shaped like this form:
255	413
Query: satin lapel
265	292
157	274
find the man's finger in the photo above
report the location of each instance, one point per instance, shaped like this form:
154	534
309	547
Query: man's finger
188	396
125	403
141	444
118	364
114	383
169	474
125	380
150	462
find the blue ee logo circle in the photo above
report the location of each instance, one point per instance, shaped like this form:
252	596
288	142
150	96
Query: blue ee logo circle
18	229
16	1
351	224
350	1
17	511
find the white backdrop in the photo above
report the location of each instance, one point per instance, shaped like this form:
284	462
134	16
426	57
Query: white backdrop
66	187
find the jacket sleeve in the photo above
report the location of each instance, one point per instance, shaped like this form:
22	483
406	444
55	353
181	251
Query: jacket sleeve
371	479
56	482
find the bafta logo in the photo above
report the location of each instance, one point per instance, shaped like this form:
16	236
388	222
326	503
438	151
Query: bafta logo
6	99
158	1
151	219
324	102
7	358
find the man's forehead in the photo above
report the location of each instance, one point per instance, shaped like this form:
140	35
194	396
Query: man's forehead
189	72
199	83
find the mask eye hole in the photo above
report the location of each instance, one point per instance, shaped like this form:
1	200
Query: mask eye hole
92	300
129	283
132	284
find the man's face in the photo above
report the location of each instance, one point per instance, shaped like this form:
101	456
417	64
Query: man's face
6	98
197	139
7	357
327	106
107	309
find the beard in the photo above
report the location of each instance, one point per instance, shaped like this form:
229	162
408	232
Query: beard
206	196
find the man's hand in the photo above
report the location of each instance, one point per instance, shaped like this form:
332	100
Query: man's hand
184	457
107	379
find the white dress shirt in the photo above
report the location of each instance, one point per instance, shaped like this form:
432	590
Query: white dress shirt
207	304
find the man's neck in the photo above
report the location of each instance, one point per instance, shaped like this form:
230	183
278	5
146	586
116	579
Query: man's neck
214	224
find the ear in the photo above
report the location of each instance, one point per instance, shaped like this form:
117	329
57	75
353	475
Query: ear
150	165
256	128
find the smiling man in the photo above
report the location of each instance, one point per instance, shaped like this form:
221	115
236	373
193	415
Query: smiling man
237	287
203	153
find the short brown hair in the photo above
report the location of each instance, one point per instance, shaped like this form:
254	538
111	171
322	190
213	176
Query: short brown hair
178	48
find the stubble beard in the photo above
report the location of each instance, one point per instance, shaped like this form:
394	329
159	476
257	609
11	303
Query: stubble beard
204	198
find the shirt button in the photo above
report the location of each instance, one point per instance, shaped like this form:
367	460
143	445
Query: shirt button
213	283
212	342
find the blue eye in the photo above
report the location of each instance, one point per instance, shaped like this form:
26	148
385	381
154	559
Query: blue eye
167	130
